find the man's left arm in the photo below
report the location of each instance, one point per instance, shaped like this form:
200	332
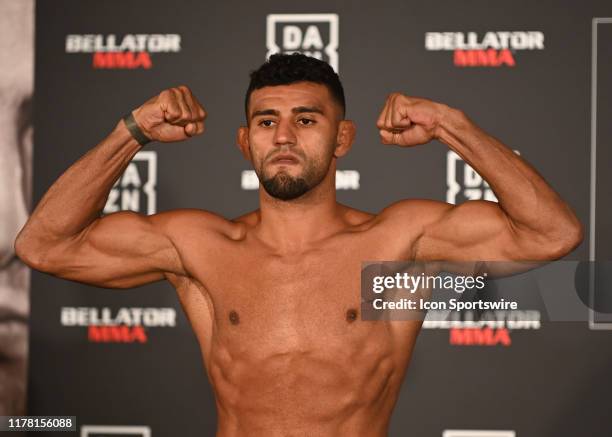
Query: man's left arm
530	222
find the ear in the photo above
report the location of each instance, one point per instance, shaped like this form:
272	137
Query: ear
345	137
242	141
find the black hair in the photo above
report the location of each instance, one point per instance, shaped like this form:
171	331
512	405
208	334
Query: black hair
283	69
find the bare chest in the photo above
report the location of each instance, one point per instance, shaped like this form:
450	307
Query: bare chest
277	297
260	303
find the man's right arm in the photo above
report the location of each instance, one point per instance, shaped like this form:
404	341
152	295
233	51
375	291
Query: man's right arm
65	235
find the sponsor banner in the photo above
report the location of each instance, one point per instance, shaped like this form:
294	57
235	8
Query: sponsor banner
511	342
123	325
314	35
135	190
129	51
488	49
464	183
483	328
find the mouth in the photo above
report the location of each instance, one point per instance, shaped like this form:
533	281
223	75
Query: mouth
285	159
13	335
8	316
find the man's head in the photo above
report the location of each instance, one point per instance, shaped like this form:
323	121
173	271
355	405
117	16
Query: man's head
295	124
288	69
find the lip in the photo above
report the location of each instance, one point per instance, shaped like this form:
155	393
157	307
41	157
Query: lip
13	340
7	316
287	159
13	334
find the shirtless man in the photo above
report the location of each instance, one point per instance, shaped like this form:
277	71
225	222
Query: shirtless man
274	296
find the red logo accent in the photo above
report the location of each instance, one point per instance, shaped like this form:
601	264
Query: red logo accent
483	58
122	60
116	334
479	337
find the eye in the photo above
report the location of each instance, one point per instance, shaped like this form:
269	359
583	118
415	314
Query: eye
265	123
306	121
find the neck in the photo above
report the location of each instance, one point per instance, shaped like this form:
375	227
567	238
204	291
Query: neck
293	225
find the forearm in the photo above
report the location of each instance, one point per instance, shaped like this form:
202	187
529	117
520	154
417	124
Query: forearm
76	199
526	198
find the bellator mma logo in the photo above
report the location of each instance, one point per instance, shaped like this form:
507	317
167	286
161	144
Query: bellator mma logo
128	52
314	35
493	49
491	328
125	325
135	189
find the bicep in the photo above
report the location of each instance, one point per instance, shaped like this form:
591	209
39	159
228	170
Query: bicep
120	250
474	230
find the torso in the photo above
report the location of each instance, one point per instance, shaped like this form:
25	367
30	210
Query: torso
282	338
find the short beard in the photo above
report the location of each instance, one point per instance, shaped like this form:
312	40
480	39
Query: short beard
284	187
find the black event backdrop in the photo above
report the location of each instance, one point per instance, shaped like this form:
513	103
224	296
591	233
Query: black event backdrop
537	95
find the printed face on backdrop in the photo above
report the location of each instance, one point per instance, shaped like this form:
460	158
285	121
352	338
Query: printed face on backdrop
294	133
16	86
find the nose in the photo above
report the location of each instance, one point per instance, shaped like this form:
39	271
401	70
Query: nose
284	134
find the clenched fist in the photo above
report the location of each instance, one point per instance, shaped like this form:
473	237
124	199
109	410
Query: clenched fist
409	121
174	115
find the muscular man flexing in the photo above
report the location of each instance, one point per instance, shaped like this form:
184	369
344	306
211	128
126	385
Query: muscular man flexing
274	296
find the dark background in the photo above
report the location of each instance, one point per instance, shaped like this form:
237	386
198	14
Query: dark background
554	381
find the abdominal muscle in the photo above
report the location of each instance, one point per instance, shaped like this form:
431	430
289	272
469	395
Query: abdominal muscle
285	347
336	386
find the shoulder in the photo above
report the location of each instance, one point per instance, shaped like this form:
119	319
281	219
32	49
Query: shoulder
402	225
192	221
413	212
417	212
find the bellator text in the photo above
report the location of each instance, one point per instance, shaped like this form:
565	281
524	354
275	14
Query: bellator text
151	43
531	40
130	316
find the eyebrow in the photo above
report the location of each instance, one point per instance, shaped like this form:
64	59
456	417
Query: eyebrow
296	110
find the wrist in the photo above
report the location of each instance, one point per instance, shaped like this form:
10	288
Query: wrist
122	134
450	121
135	129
